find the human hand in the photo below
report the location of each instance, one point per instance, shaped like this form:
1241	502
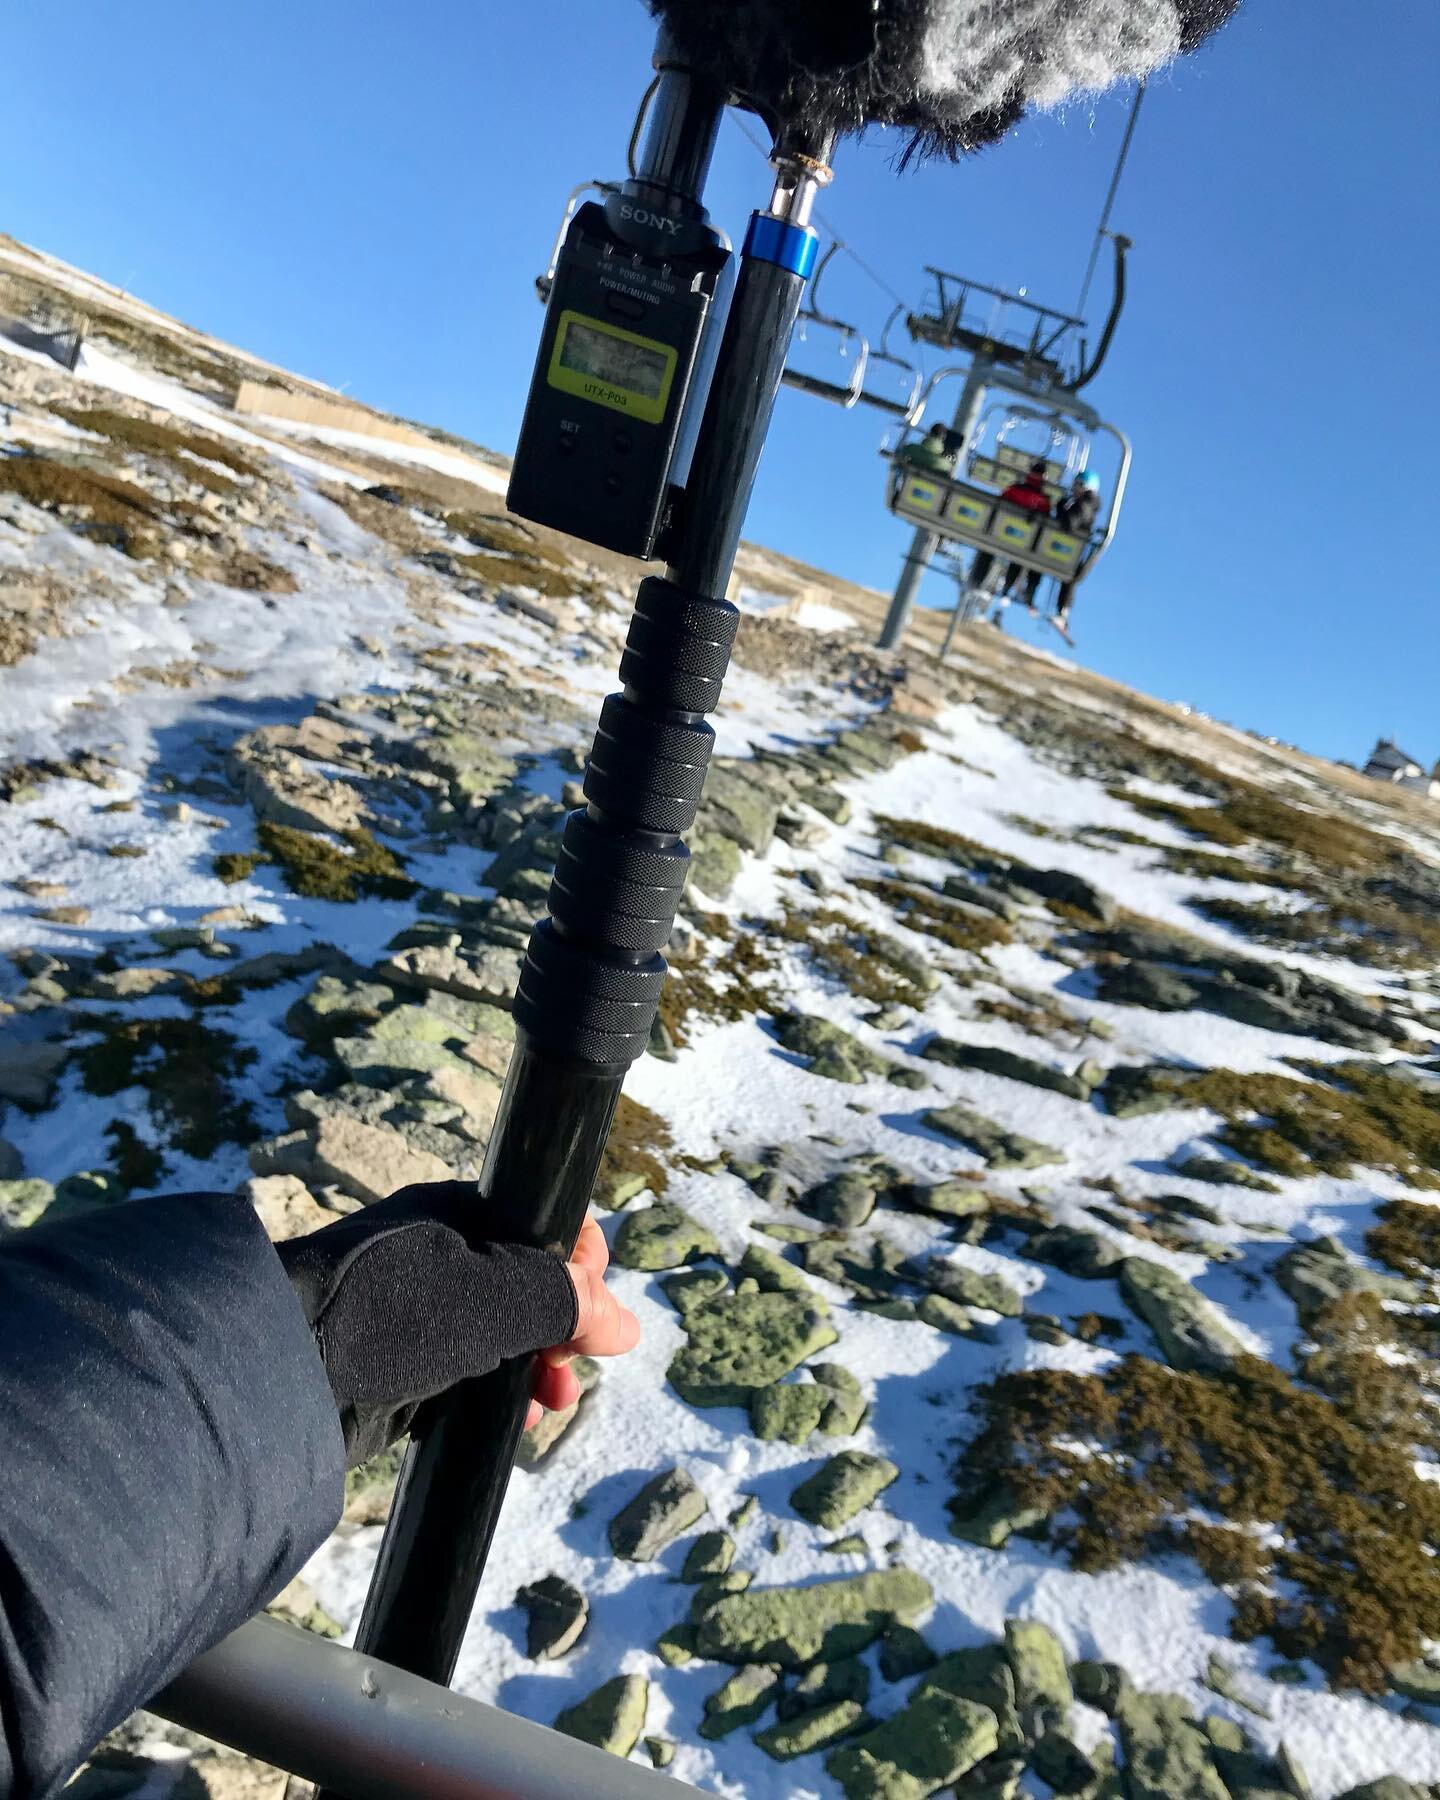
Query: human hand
603	1327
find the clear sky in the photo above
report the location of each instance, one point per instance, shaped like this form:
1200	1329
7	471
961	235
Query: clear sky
365	192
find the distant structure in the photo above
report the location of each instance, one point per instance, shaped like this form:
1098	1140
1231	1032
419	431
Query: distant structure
1388	762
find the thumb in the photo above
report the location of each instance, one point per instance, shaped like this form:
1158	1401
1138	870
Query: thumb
603	1327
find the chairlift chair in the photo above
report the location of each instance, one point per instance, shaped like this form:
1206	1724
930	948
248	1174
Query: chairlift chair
840	393
910	378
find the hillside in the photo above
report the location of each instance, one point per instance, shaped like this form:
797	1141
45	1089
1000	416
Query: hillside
1028	1200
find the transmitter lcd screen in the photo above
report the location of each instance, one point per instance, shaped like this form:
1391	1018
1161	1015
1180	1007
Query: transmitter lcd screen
612	367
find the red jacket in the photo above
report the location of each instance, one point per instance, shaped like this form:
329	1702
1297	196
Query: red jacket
1030	494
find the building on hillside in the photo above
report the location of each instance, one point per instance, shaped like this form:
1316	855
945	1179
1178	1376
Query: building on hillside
1388	762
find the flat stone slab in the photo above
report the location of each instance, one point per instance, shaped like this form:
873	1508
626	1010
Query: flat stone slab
796	1626
664	1508
740	1342
1191	1334
1000	1148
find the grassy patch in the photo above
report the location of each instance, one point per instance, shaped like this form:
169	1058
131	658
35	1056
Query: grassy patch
111	508
172	445
136	1163
1407	1238
630	1150
236	865
1249	814
1353	1114
1035	827
321	869
1210	865
185	1066
944	920
1320	1527
527	570
931	840
1362	926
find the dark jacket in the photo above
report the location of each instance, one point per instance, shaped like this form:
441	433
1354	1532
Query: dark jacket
170	1455
1076	512
1029	493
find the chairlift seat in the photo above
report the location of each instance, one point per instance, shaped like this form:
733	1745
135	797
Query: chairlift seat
962	513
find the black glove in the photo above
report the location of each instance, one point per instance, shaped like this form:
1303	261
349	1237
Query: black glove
405	1299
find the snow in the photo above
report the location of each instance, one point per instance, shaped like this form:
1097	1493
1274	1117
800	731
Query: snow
815	615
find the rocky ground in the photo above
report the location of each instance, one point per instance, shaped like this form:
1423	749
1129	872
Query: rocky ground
1027	1197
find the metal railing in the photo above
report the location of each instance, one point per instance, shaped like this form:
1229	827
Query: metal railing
371	1731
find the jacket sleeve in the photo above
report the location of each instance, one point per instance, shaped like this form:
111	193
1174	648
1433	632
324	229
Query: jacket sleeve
170	1454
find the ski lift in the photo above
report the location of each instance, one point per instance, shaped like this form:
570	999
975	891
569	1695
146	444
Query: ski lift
997	455
910	378
851	343
966	511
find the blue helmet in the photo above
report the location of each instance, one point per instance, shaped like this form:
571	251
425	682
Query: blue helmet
1088	478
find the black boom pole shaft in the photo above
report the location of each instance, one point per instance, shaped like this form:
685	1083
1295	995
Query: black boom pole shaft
591	980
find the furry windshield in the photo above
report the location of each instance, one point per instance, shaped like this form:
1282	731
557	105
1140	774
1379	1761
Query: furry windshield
958	73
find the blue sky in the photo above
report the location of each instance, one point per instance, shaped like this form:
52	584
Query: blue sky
365	193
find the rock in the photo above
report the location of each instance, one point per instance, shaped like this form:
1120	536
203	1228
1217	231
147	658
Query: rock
284	789
662	1237
1043	1695
1147	984
1060	1762
1103	1685
30	1057
845	1200
693	1288
968	1287
1188	1208
711	1554
715	863
796	1626
716	1587
665	1507
1221	1679
738	1342
1167	1757
905	1653
12	1164
1001	1149
133	984
1223	1173
489	973
676	1646
22	1202
813	1730
991	1060
1316	1273
555	1616
1388	1787
982	1676
538	1442
991	1517
366	1161
1068	889
824	1684
661	1751
1084	1254
744	1697
960	887
1191	1334
834	1053
843	1487
85	1192
845	1399
299	1604
286	1207
788	1412
738	807
954	1199
771	1272
928	1745
1292	1777
945	1315
612	1718
1416	1681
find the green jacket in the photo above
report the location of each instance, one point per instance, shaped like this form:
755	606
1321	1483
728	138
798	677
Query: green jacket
922	456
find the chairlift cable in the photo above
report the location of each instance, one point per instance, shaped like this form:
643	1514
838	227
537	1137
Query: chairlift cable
1105	210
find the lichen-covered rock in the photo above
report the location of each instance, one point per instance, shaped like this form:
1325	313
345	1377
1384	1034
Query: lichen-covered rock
969	1287
715	1587
845	1200
298	1604
741	1701
693	1288
22	1202
1068	890
612	1717
796	1626
1220	1171
991	1517
489	972
538	1442
814	1730
1084	1254
715	862
770	1271
990	1059
1417	1681
555	1616
1167	1756
337	1006
905	1653
1043	1695
833	1052
368	1162
843	1487
954	1199
823	1684
1314	1274
788	1412
738	807
1103	1685
984	1677
85	1192
1060	1762
928	1745
712	1553
667	1506
1147	984
676	1645
1191	1334
740	1342
1000	1148
846	1402
945	1315
664	1236
1388	1787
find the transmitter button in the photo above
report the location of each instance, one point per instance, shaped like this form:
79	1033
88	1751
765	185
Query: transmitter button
624	305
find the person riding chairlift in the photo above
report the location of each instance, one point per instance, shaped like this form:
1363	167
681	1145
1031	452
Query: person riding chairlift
934	452
1029	494
1077	513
